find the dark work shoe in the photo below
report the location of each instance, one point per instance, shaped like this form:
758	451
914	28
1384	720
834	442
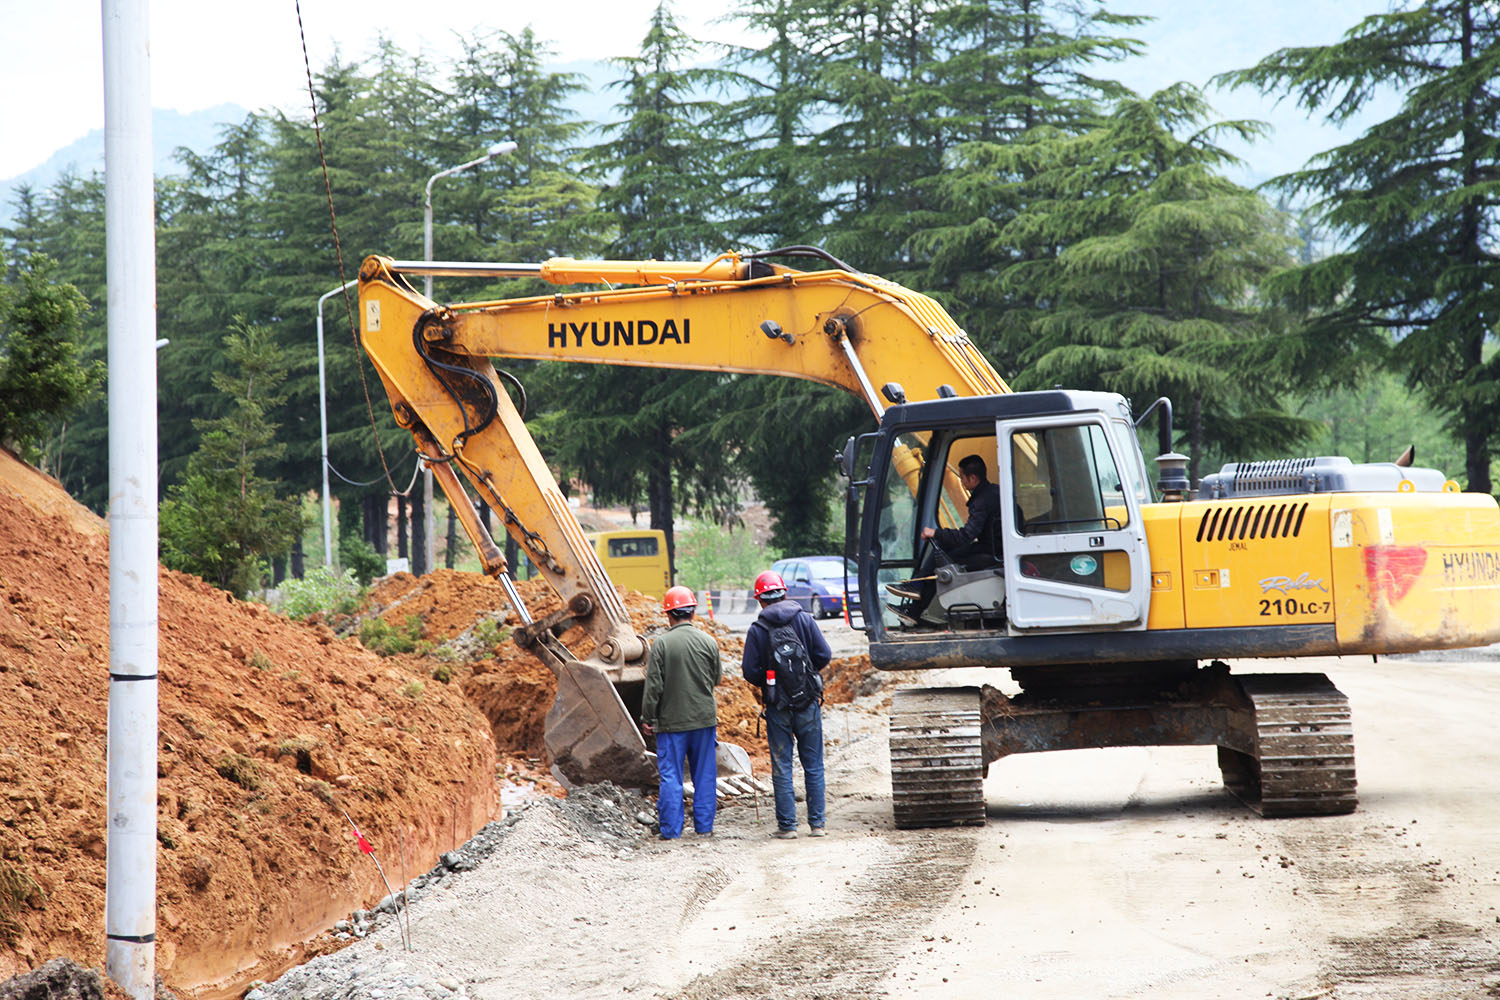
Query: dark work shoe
785	834
907	591
904	617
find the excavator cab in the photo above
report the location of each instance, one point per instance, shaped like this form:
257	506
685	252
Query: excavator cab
1069	554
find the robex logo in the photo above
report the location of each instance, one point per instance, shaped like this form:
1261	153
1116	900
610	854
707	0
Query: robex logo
1286	584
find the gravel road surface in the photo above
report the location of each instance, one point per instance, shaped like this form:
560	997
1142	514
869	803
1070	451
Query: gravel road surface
1101	874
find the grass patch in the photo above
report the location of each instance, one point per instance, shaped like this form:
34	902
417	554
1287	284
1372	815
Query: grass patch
491	633
379	636
17	889
294	745
239	769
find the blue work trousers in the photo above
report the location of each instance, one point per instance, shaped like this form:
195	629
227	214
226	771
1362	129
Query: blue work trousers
803	727
696	747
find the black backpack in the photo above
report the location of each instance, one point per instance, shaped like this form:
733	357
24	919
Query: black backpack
797	683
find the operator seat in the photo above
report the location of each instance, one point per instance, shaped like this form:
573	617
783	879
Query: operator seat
971	592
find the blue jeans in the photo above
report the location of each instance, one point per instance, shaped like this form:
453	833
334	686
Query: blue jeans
697	746
805	727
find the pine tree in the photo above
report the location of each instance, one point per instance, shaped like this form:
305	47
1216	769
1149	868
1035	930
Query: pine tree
774	182
1013	74
224	520
43	376
1152	287
660	165
1413	199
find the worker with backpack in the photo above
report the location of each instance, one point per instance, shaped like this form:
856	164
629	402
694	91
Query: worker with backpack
784	652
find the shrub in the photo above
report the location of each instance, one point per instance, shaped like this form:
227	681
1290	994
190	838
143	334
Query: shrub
709	556
321	591
379	636
414	690
361	558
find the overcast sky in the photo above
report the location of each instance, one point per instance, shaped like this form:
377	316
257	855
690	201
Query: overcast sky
208	52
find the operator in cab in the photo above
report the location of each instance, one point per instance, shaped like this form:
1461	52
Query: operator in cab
974	545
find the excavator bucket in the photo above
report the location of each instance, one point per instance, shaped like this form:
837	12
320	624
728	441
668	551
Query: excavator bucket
589	733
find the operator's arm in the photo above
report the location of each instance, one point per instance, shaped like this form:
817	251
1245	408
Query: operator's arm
984	506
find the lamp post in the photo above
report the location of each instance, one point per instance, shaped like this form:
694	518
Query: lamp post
428	517
323	420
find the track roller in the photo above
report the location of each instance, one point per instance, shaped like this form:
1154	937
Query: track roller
937	762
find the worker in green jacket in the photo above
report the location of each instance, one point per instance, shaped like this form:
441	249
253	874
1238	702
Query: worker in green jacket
678	707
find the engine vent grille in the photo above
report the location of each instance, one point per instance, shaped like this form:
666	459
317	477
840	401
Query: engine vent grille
1261	520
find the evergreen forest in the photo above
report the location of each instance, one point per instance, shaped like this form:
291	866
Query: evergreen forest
976	150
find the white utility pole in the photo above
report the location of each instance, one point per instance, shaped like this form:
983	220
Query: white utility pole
323	421
130	271
498	149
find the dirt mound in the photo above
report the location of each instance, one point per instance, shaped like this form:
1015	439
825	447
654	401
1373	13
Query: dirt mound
268	728
512	687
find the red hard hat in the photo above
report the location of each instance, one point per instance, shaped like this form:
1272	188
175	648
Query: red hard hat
768	581
678	597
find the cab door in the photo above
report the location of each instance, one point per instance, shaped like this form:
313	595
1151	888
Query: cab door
1075	544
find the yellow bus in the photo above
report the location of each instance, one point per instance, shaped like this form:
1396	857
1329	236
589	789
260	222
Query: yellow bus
634	558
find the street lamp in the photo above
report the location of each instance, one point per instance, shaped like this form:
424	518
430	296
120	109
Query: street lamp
323	419
429	519
498	149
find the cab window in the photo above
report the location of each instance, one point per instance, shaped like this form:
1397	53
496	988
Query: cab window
1066	480
896	528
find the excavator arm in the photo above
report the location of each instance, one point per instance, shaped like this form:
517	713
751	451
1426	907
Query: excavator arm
730	314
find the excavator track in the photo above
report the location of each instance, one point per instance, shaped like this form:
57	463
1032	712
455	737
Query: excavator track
937	761
1304	748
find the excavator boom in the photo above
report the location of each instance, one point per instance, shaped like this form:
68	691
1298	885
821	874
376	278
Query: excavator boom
730	314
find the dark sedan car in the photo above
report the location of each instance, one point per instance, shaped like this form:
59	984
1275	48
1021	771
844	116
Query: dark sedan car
817	583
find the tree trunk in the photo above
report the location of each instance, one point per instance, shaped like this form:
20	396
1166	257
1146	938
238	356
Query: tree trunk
512	556
659	492
452	546
1195	437
299	568
401	552
1477	456
278	570
419	534
377	527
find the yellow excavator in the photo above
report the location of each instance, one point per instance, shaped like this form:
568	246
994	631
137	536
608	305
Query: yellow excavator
1112	600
